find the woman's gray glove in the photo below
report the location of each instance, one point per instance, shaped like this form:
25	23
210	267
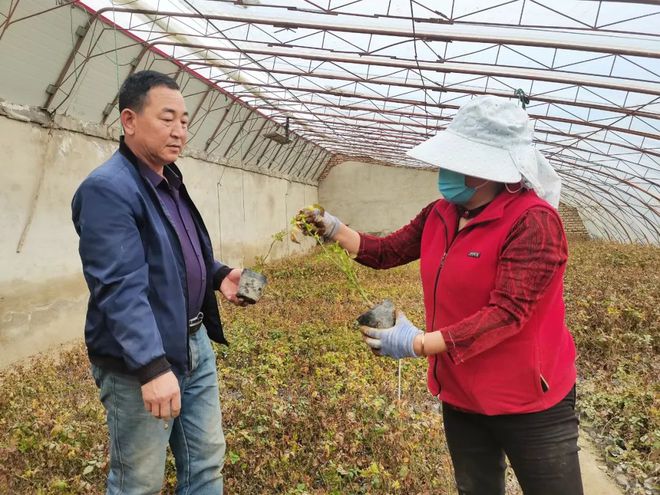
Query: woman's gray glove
318	222
395	342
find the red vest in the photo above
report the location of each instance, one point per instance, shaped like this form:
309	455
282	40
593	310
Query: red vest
528	372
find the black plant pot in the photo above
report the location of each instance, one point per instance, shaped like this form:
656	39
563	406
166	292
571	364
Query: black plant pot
380	316
251	286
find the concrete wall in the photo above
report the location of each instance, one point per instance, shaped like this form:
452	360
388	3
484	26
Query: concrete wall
377	198
42	292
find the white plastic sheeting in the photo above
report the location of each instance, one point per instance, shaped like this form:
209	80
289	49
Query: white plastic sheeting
373	78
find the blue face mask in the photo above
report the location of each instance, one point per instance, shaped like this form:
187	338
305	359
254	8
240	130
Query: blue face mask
452	187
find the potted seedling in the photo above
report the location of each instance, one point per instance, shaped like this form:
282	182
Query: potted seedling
252	283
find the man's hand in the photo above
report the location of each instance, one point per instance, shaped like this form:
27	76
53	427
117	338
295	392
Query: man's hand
162	397
396	342
229	287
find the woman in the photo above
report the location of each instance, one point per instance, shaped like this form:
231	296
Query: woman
492	258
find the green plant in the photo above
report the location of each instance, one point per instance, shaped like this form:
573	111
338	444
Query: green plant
333	252
260	262
305	405
342	260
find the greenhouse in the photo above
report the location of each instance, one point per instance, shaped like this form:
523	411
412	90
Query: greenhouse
292	104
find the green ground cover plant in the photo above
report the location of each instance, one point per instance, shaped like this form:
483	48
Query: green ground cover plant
309	410
612	297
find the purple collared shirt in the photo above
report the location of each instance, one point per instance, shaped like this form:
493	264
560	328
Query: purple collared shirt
178	211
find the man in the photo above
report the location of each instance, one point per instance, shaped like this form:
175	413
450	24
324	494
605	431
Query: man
148	262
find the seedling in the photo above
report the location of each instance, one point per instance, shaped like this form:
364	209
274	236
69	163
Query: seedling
260	264
252	283
379	316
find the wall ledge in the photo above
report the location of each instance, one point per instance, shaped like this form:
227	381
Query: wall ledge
38	116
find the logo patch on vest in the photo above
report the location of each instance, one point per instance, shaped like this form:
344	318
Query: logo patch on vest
474	254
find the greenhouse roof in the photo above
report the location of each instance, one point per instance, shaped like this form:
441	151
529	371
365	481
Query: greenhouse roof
370	78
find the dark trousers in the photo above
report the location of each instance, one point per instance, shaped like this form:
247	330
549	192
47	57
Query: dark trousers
541	447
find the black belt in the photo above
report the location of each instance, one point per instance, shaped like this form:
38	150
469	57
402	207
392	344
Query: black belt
195	323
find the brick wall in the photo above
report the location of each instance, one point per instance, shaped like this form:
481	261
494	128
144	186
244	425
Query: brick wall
572	222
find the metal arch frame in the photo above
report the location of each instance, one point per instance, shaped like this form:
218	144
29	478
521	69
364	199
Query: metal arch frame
52	89
209	21
242	134
542	117
449	89
211	138
482	70
468	68
415	103
610	193
606	188
615	206
321	167
572	154
7	22
134	65
600	127
432	127
395	32
337	117
582	122
95	15
421	135
236	136
256	136
586	139
309	163
440	16
378	133
278	54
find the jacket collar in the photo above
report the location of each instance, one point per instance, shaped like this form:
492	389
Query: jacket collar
171	170
493	211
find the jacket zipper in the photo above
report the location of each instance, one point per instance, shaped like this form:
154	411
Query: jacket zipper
435	288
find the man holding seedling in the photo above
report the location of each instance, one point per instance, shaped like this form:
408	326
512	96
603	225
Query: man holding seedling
148	261
492	258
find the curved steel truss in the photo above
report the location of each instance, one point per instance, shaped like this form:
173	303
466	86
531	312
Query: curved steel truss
373	78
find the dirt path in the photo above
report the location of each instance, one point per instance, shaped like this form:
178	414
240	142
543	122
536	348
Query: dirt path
594	477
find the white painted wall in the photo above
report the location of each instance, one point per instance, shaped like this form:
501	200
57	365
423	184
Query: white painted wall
377	198
42	291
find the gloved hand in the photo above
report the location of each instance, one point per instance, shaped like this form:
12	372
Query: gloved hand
317	221
396	342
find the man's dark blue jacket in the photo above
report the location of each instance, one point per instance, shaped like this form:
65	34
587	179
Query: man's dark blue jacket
134	268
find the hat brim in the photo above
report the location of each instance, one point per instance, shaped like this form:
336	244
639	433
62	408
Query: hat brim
453	152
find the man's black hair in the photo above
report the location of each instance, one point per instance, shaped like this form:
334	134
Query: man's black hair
136	86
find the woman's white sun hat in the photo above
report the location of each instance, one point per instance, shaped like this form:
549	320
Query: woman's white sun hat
491	138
